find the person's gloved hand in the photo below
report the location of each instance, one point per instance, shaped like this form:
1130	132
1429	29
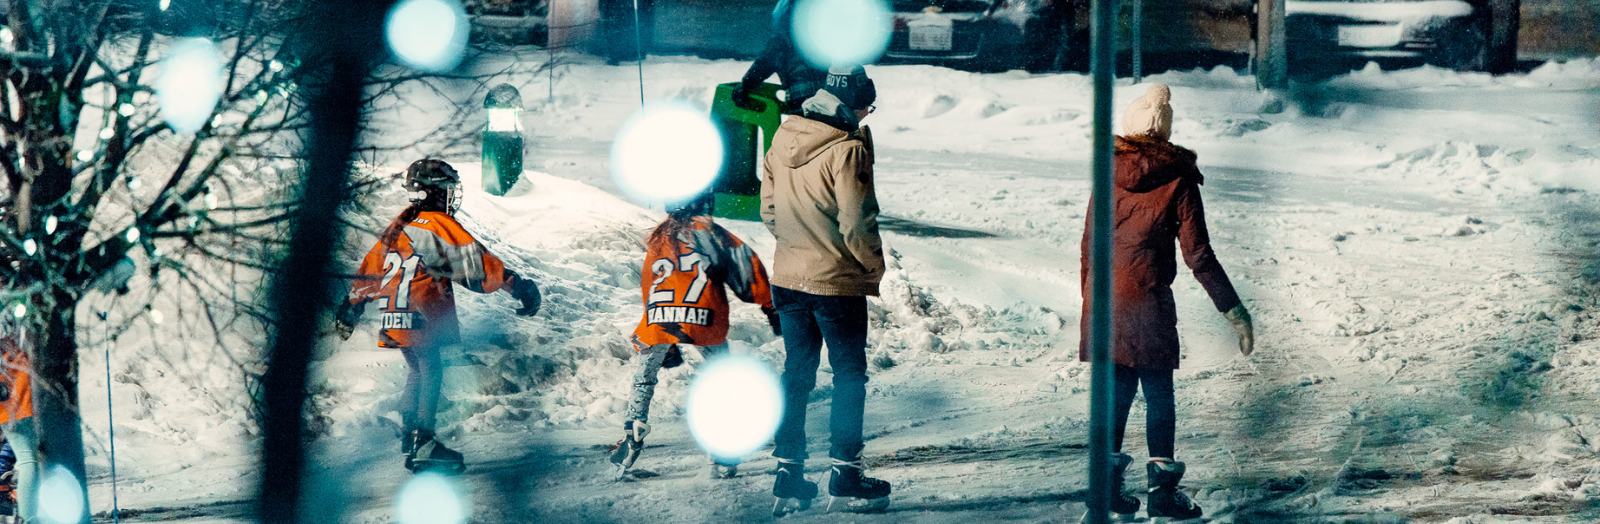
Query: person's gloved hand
741	98
345	319
772	319
525	291
1239	317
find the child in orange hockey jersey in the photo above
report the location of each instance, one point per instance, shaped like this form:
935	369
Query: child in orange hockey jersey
688	260
409	274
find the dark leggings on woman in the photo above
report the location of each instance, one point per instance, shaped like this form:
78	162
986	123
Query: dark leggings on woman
1160	413
420	400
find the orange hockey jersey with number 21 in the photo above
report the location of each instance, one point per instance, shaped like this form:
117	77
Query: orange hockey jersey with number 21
411	278
683	279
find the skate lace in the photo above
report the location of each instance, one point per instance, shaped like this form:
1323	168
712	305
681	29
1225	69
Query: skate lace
1182	499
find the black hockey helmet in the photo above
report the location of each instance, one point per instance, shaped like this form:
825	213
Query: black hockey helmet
697	205
436	180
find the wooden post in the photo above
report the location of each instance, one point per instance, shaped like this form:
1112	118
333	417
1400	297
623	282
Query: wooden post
1272	59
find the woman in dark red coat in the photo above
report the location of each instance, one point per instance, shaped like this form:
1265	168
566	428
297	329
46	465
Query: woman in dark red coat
1157	201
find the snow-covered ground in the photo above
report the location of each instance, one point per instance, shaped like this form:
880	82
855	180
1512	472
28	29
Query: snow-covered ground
1418	248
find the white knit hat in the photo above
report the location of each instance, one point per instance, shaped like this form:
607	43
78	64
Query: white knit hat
1150	114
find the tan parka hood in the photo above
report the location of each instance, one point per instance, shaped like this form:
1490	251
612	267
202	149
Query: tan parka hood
810	138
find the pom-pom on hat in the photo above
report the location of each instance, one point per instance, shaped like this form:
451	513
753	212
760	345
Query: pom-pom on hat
1151	114
851	86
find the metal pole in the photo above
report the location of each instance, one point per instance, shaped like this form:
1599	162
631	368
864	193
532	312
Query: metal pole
1103	66
1138	42
111	421
638	50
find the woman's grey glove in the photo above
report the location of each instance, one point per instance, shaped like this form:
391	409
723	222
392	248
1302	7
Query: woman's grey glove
1239	317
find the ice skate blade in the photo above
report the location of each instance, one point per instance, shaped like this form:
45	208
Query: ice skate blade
436	466
1115	517
724	472
784	506
1176	520
855	505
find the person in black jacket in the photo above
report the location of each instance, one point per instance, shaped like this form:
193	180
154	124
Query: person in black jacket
800	80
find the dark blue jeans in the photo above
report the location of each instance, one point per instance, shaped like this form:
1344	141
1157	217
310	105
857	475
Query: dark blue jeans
808	321
1160	411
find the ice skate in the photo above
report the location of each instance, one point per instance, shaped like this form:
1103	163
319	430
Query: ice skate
851	490
1166	503
720	470
627	450
791	489
1122	504
428	454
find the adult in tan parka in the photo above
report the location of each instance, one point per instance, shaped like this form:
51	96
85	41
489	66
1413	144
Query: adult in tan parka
817	199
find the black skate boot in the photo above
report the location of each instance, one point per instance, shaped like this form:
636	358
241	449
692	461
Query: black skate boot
850	490
428	454
627	450
1167	504
793	491
1121	502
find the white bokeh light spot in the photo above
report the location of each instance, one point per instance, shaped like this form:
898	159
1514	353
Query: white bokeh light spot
190	84
60	496
430	498
666	152
734	406
842	32
429	35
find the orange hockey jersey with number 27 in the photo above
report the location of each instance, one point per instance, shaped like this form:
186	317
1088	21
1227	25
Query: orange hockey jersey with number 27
410	280
683	280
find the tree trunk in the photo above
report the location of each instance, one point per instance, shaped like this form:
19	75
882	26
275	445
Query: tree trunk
55	395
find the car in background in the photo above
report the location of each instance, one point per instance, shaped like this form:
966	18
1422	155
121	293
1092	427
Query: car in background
988	35
1458	34
513	22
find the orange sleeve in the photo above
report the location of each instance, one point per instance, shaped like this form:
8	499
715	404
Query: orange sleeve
369	277
451	252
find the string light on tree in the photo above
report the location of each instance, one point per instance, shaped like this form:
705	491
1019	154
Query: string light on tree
429	35
190	84
838	32
125	109
666	151
734	406
20	310
61	498
85	155
431	498
133	235
30	247
50	224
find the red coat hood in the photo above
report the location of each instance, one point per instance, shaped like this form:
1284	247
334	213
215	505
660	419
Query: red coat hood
1145	163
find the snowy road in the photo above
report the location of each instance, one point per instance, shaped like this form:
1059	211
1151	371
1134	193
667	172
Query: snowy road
1420	260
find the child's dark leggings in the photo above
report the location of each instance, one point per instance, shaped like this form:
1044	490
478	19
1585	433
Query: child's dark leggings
420	400
1160	415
